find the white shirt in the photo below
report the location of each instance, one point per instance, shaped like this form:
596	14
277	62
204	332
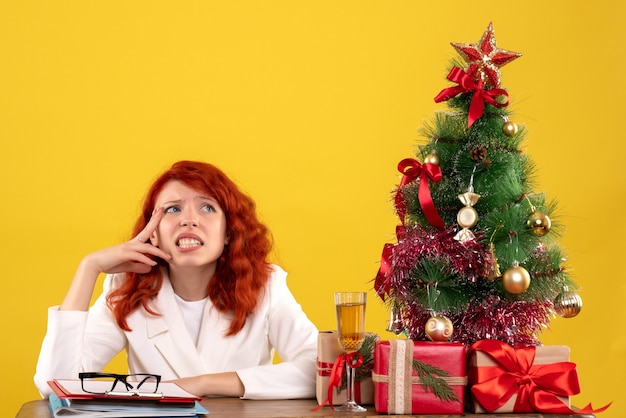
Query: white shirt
192	311
86	341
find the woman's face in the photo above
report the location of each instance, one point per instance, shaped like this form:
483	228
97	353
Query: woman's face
192	229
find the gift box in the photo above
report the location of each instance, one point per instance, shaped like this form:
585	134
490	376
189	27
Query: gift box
328	351
503	379
419	377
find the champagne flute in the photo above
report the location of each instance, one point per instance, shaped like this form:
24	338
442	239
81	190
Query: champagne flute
350	308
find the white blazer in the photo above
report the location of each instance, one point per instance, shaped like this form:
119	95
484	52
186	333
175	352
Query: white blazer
86	341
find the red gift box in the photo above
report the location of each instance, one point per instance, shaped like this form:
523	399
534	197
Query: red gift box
529	379
401	385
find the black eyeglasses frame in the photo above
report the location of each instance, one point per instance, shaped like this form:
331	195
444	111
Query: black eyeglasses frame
123	379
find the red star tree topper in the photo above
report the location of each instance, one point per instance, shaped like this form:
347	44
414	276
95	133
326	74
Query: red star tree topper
485	58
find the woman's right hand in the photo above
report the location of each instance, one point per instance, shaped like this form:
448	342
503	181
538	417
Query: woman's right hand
134	256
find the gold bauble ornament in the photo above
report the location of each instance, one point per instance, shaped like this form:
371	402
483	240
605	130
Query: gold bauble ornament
509	128
439	328
539	223
516	279
431	158
568	304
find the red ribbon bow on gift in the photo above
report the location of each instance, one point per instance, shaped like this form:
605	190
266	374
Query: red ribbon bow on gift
411	170
352	360
466	84
537	386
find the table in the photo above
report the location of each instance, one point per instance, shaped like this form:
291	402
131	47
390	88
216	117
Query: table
300	408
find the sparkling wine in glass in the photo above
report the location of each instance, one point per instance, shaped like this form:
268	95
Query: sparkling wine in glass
350	308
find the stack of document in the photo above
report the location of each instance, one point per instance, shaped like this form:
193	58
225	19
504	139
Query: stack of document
69	400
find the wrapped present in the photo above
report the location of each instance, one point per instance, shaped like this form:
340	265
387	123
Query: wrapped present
328	353
528	379
419	377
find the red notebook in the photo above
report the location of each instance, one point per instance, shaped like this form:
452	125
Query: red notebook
167	392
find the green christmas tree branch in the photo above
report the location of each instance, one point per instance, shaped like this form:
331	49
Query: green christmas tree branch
431	379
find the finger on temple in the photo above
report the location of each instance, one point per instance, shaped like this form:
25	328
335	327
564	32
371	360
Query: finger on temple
154	221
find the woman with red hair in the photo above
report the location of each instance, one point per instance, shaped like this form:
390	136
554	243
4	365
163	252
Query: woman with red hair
190	297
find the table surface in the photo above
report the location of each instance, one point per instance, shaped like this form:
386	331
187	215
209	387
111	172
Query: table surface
301	408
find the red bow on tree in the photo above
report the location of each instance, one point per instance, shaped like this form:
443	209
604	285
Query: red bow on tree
466	84
412	169
382	282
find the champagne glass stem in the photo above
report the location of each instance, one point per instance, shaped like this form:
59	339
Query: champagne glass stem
350	383
350	405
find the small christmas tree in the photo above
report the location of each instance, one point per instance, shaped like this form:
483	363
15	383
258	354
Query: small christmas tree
476	255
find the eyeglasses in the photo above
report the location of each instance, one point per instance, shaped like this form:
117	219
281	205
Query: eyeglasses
130	384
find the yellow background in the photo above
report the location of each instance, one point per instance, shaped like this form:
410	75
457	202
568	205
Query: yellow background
309	106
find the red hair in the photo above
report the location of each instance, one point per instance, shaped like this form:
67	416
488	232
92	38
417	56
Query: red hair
242	269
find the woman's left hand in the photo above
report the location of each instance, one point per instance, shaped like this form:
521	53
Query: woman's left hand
216	384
